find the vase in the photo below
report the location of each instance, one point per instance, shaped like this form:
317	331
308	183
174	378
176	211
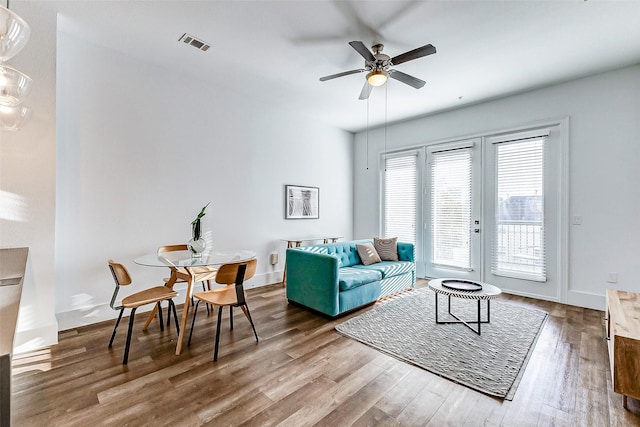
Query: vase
197	244
197	247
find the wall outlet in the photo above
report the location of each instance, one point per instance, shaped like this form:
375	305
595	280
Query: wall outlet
577	220
612	277
274	258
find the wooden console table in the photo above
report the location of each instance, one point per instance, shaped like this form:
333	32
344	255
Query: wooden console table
622	320
297	242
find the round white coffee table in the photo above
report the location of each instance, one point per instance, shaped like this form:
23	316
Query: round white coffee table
465	289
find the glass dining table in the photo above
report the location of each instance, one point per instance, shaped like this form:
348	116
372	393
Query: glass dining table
182	266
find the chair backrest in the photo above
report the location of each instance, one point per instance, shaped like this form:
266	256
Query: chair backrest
228	273
121	277
172	248
120	273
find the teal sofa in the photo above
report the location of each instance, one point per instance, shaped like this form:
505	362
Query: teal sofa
332	280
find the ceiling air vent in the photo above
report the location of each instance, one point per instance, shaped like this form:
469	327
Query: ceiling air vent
192	41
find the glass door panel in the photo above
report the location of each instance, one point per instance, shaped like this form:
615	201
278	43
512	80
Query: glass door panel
452	215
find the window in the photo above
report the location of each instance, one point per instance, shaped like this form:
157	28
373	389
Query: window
519	240
451	208
400	197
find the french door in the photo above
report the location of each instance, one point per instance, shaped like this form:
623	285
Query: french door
522	200
453	210
492	211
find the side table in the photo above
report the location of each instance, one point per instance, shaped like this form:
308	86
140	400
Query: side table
487	292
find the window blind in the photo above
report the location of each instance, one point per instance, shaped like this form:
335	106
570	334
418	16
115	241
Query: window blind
451	208
400	197
519	248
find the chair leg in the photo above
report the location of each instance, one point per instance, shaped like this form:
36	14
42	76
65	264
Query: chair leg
113	335
160	316
215	349
169	313
231	317
245	309
204	289
126	348
175	316
193	322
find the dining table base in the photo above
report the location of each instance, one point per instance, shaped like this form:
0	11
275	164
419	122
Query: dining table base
190	280
190	270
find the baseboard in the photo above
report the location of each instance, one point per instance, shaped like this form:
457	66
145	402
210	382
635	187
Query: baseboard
35	339
530	295
586	299
101	312
577	298
264	279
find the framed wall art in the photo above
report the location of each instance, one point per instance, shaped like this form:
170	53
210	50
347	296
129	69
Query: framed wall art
302	202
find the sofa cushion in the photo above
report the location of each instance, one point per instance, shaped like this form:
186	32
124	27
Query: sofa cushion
386	248
389	268
367	253
352	277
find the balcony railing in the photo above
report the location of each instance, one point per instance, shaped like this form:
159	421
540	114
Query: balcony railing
520	247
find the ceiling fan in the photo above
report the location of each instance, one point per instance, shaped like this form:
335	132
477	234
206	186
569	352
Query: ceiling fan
379	66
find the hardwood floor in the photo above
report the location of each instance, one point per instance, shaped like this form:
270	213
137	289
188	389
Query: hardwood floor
302	373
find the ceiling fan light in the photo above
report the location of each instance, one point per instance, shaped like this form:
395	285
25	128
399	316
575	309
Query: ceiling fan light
377	77
12	118
15	86
14	34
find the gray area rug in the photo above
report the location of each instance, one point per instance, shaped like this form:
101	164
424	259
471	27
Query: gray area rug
493	363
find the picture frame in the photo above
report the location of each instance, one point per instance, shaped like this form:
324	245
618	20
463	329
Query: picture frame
301	202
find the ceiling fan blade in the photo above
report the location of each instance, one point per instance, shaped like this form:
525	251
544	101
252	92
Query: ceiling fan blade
362	50
358	27
366	91
345	73
414	54
406	79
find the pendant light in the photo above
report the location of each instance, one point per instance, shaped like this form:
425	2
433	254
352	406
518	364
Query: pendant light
14	85
12	118
14	33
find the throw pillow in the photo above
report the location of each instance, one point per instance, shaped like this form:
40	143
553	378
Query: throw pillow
386	248
368	254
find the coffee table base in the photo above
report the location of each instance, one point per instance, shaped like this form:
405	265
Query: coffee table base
465	322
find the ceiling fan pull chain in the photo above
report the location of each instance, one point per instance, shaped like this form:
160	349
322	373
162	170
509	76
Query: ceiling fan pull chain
386	91
367	133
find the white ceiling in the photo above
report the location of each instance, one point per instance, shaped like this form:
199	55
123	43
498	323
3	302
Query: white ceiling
275	51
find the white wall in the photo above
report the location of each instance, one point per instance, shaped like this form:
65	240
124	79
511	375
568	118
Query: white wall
141	149
27	183
604	154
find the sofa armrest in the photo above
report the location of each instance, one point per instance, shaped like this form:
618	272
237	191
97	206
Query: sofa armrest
405	252
312	280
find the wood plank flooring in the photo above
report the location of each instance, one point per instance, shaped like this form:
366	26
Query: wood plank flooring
303	373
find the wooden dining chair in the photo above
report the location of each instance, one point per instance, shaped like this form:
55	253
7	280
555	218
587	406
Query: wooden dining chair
202	274
153	295
232	295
